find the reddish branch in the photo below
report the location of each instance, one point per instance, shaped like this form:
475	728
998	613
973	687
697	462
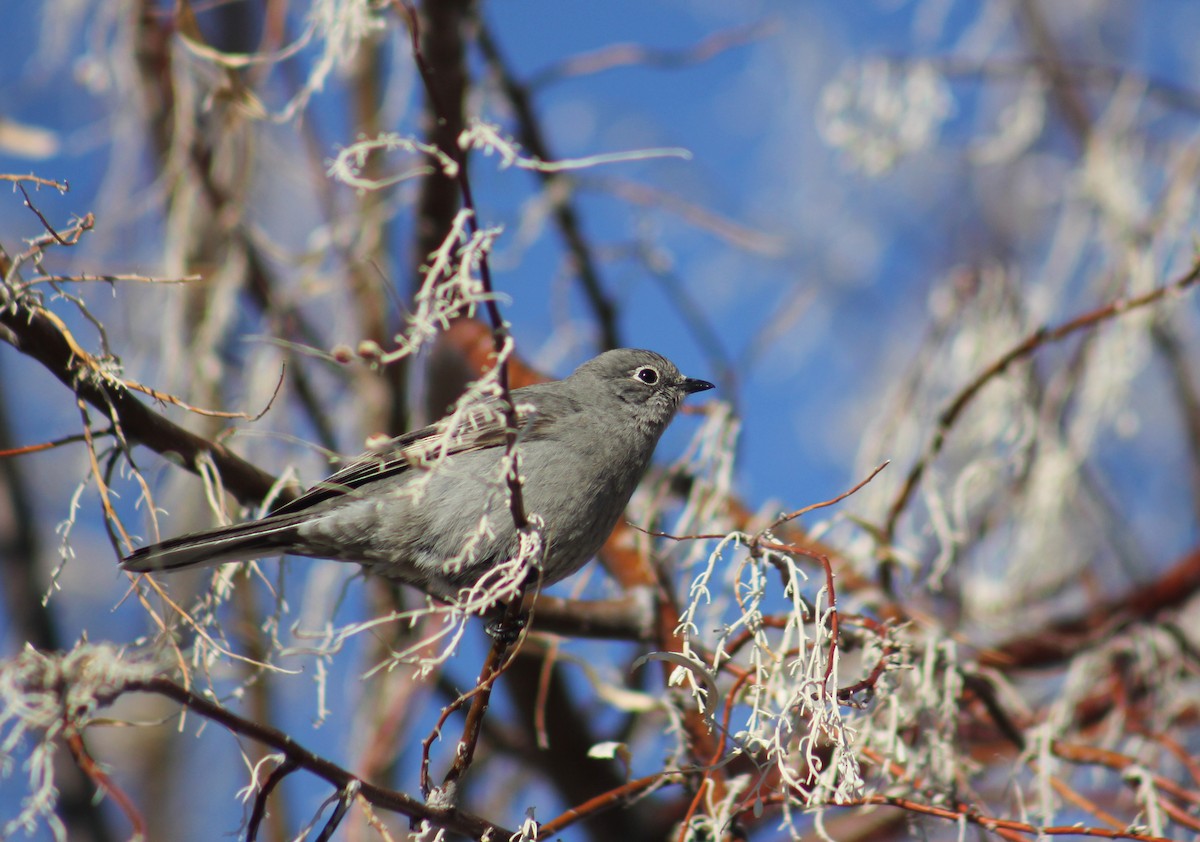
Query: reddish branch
1060	641
604	801
1005	828
480	697
955	810
1121	764
711	767
106	784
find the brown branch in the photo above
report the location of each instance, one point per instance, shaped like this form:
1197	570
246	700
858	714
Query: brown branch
508	633
347	796
443	78
701	743
38	334
834	622
812	507
959	811
1069	794
558	729
694	806
1026	347
1119	763
387	799
164	397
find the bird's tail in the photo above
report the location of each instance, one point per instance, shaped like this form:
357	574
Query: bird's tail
238	542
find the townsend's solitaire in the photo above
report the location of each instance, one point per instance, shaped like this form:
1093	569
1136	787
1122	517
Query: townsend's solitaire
431	509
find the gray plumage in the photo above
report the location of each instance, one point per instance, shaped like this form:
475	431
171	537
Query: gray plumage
584	444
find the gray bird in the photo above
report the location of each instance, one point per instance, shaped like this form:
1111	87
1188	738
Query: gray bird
431	510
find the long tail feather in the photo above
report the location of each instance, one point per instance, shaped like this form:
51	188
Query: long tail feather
238	542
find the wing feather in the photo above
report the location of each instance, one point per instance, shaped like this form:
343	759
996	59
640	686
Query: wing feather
479	428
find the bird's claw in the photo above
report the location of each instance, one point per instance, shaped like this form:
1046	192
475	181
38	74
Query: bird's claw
505	630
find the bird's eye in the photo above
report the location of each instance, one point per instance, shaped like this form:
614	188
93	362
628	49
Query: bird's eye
647	374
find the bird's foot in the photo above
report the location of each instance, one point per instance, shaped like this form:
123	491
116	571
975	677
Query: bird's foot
506	630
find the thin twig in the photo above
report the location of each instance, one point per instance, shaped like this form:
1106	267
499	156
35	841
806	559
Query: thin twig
107	785
622	55
51	445
260	799
60	186
58	238
780	521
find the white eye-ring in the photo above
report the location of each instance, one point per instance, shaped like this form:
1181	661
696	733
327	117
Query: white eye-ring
648	374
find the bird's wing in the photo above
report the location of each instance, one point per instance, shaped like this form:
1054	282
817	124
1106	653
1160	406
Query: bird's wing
482	426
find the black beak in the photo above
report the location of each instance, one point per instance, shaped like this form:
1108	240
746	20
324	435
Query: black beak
691	386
